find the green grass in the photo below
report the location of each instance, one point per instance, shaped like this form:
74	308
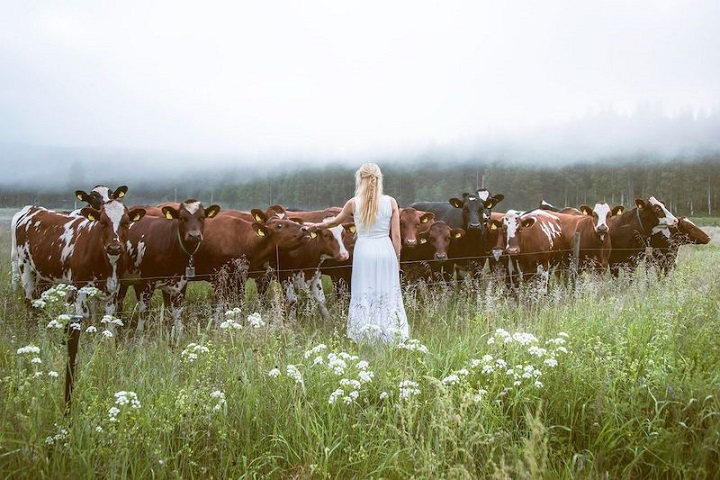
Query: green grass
635	394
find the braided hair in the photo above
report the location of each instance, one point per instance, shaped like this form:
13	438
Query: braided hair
368	189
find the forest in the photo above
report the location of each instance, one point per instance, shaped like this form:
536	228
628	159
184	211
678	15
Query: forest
690	185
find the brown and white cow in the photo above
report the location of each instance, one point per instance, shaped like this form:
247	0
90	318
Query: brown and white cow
591	226
230	241
529	245
666	243
301	269
162	251
88	250
630	231
429	259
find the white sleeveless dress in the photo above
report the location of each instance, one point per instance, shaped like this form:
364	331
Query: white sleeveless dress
376	304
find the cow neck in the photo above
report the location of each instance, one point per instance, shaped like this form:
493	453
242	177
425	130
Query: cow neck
182	246
639	219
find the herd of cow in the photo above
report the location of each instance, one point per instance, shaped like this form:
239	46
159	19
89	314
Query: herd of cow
113	247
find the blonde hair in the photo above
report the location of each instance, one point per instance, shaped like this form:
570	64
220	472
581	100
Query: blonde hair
368	189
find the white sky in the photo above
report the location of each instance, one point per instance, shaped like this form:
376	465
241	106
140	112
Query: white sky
338	76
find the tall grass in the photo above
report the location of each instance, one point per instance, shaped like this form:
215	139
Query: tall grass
614	378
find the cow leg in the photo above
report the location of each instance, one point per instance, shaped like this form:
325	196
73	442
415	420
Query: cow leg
316	290
291	300
144	294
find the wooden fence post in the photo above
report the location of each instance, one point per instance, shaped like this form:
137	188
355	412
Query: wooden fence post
73	339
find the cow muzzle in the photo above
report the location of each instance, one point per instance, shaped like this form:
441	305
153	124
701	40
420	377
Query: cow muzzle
194	236
114	249
497	253
441	256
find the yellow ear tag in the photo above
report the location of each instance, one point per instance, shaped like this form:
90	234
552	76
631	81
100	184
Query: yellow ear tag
168	215
458	235
352	229
120	195
79	197
425	220
261	233
313	235
91	217
137	217
423	241
258	218
493	226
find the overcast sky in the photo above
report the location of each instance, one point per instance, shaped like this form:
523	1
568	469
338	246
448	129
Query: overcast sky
339	77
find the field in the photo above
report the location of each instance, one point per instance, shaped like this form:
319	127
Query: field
614	378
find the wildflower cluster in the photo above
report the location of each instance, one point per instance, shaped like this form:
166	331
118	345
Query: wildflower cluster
57	295
233	320
123	399
413	345
61	437
193	351
408	389
513	361
32	353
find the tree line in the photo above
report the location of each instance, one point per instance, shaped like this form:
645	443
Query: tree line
688	185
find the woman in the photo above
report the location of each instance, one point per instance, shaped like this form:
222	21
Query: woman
376	304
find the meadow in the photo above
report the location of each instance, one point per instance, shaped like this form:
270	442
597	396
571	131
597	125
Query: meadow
609	378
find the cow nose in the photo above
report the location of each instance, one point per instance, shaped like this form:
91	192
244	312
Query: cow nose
342	256
114	249
497	253
512	250
474	225
602	229
410	242
194	236
441	256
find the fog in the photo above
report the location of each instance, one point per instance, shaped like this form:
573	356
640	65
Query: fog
92	89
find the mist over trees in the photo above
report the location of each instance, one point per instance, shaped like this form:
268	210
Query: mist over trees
689	185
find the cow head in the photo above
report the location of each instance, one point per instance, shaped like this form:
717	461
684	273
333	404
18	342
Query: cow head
191	217
412	222
601	214
329	242
476	208
284	233
509	231
113	219
438	238
100	194
689	233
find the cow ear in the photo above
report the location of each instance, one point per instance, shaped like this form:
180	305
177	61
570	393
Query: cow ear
297	220
278	209
618	210
170	212
258	215
90	213
425	218
528	222
212	211
260	229
494	200
81	195
640	203
585	210
120	192
136	214
456	202
458	233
